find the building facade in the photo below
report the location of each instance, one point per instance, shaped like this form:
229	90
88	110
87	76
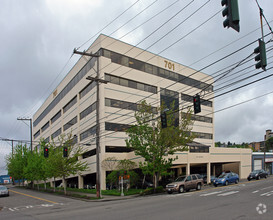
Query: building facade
133	75
261	160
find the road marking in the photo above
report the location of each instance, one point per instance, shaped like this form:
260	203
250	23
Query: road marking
212	193
255	191
33	197
228	193
267	193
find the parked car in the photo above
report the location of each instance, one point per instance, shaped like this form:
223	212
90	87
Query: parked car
226	178
257	174
4	191
185	183
212	178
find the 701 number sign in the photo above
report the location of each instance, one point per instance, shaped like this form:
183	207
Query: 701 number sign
169	65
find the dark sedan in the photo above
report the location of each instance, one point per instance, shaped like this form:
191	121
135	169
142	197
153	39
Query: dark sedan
257	174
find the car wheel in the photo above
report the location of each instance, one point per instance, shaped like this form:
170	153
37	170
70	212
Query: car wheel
248	179
265	176
198	187
226	183
236	181
170	192
258	177
181	189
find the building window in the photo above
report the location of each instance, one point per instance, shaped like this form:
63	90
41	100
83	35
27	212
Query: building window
89	153
45	126
169	97
36	134
70	123
116	127
70	104
87	89
203	135
125	105
56	133
130	83
56	117
88	110
117	149
88	133
200	118
199	149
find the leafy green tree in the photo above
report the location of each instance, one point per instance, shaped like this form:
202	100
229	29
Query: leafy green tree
17	161
156	145
59	166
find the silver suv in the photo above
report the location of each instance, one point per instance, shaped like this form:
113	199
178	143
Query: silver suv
185	183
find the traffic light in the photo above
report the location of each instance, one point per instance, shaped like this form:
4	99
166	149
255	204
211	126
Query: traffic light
163	117
261	57
196	104
45	151
232	12
65	152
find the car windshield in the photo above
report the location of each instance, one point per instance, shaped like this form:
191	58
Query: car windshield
3	187
179	179
223	175
255	171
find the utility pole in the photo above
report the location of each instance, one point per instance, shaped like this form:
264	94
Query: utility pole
30	120
97	80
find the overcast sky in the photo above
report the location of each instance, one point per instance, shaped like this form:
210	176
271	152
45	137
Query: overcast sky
38	37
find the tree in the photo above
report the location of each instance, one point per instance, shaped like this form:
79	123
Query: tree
59	166
109	163
156	145
269	144
16	162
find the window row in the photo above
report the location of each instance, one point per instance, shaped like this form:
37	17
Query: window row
89	153
189	98
203	135
88	110
56	133
70	104
88	133
117	149
70	123
125	105
199	149
116	127
130	83
89	65
87	89
148	68
200	118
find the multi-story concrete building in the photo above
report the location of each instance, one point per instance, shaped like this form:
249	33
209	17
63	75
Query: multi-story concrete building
133	74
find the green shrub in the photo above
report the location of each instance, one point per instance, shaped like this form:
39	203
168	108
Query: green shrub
150	191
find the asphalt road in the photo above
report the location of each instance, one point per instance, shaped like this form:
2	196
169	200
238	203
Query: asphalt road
247	200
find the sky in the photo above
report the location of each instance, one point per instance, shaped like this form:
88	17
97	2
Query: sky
38	38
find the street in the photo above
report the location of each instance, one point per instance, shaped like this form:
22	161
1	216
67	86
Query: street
246	200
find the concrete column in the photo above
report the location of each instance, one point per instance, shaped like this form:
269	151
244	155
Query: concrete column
214	171
80	182
103	179
179	171
188	170
208	172
51	183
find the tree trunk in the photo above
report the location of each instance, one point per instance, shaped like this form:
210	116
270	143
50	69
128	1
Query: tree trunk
45	184
64	185
54	184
